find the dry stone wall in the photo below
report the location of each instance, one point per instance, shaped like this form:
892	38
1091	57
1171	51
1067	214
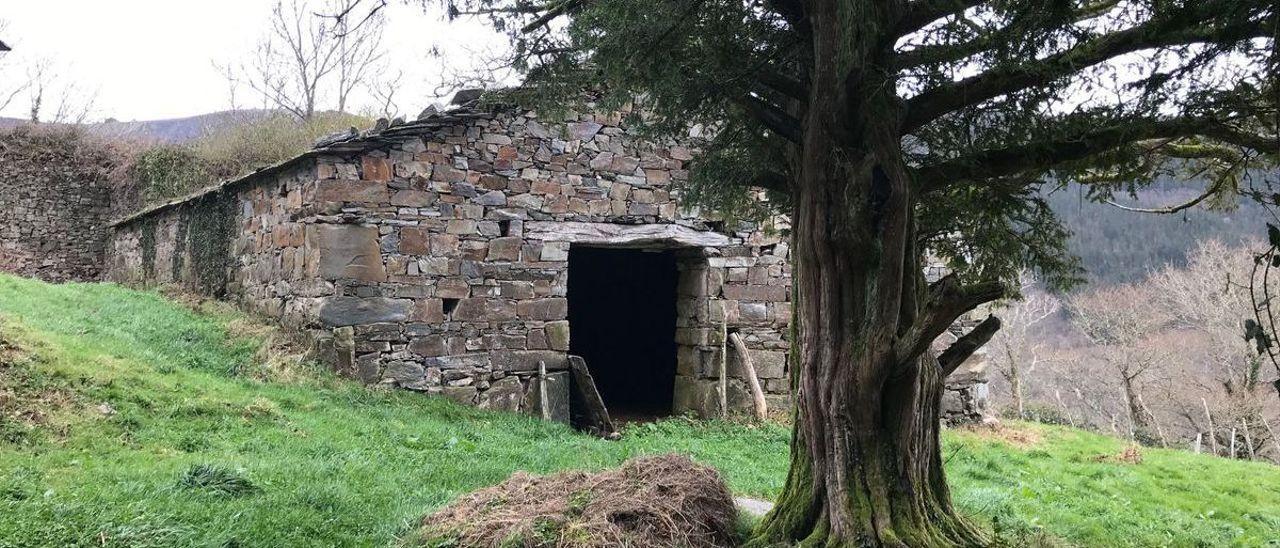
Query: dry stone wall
54	203
434	256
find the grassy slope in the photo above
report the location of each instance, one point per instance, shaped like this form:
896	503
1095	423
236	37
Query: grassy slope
338	464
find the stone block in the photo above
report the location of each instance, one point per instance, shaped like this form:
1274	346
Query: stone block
465	395
753	312
453	288
429	346
492	198
414	241
348	251
504	394
505	249
428	310
552	308
701	397
343	311
583	131
413	198
403	372
351	191
375	169
558	335
769	364
527	360
767	293
555	251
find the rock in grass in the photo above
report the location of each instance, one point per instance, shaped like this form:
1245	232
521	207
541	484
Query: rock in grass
653	502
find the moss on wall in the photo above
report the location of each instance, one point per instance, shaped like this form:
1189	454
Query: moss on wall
207	229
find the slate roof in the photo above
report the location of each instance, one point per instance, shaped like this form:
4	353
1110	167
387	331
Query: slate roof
463	109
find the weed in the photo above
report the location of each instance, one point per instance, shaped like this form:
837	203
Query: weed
217	479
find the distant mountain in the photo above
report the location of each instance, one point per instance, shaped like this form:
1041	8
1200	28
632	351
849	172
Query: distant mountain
172	130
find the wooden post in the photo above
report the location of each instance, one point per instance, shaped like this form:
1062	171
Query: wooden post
724	360
1213	435
542	391
1065	412
749	372
1248	440
1272	433
1233	443
1159	431
1199	437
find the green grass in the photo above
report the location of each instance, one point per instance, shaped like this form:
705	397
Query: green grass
191	451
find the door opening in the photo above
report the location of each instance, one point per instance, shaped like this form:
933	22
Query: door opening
622	321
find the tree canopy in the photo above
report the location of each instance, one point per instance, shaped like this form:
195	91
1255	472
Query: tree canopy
999	97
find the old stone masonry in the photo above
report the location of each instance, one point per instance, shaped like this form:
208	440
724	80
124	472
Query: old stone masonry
460	253
469	253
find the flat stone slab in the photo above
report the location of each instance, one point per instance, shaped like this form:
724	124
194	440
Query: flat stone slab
754	507
610	234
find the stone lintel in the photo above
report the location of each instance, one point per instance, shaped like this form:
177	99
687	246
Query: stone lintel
624	236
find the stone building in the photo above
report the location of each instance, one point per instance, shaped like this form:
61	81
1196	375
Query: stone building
468	251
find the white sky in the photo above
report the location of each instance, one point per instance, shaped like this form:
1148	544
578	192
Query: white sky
151	59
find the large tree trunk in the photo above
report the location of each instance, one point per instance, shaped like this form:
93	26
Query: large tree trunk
866	468
865	463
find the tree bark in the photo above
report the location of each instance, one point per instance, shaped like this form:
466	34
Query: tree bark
866	468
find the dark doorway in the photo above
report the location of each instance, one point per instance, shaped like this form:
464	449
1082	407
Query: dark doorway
622	321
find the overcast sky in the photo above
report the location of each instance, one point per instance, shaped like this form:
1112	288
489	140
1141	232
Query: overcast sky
151	59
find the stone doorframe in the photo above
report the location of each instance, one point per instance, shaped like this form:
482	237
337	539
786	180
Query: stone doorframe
700	314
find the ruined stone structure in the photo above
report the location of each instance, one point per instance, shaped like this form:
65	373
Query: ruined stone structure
465	253
55	201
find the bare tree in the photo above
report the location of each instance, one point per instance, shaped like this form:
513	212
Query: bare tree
1208	297
1118	320
1016	351
360	51
48	87
308	55
11	85
384	91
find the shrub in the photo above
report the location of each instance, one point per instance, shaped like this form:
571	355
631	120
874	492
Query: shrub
1034	412
162	171
167	171
239	148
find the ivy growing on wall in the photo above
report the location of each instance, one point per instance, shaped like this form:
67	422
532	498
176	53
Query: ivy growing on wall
208	229
147	241
179	247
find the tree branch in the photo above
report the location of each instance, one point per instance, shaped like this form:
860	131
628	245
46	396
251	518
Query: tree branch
920	13
965	346
1044	154
952	52
783	84
793	12
948	300
774	118
1172	30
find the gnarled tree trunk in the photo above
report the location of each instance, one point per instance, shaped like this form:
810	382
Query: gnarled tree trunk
865	463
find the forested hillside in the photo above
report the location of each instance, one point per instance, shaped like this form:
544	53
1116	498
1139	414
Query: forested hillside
1118	246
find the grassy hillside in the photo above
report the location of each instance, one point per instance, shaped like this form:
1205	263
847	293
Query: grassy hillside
128	420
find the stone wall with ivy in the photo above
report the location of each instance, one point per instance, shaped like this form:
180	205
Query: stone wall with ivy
55	200
241	242
434	255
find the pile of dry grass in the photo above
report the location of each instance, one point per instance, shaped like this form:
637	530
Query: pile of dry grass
658	501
